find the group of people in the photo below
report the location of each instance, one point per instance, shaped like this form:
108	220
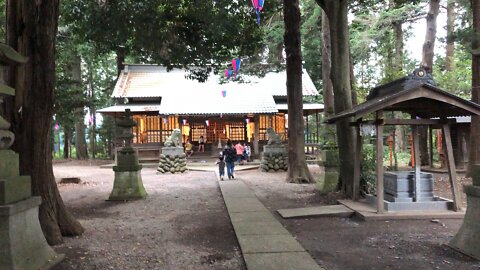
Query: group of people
239	153
231	154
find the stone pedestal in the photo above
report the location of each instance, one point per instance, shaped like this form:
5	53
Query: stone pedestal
22	244
128	183
328	180
172	160
274	158
467	240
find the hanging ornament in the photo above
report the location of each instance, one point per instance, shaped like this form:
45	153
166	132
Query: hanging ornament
228	73
247	120
221	115
207	122
258	6
184	121
165	120
224	93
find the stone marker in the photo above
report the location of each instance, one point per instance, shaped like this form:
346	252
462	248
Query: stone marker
173	159
128	183
22	244
467	240
328	181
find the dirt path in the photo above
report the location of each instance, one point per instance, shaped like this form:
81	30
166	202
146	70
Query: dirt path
339	243
184	225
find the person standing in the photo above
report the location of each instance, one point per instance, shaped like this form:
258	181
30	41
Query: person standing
221	166
230	155
239	148
248	152
201	144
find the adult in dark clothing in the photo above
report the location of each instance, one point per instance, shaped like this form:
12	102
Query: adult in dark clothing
230	155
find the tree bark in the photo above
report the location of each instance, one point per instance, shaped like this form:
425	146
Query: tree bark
326	67
431	34
80	141
66	142
297	167
427	63
398	67
450	51
474	155
32	29
337	13
93	124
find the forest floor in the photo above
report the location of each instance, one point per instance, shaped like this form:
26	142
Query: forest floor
183	224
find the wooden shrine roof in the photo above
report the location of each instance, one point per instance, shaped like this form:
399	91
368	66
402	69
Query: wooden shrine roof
416	95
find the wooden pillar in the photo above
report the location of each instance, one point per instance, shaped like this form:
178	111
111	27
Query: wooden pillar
317	126
447	143
417	166
245	135
356	168
161	129
256	134
308	132
380	186
430	144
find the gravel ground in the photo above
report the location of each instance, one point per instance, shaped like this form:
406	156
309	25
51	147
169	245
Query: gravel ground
183	224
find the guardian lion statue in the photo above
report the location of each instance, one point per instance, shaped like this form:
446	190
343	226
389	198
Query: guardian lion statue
273	137
175	139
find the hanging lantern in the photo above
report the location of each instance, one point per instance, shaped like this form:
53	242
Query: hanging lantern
221	115
207	122
247	120
165	120
184	121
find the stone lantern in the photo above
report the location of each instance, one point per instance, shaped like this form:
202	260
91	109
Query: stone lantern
22	243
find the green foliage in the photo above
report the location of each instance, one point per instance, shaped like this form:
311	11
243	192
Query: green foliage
368	178
458	81
168	32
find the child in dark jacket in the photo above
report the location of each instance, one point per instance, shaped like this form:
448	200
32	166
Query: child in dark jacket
221	167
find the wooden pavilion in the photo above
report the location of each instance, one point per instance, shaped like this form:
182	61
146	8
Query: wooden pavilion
162	100
417	96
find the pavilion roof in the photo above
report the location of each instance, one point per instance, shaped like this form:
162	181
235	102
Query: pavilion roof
412	95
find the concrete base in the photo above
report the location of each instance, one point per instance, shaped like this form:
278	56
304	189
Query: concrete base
172	151
366	211
467	240
22	244
436	204
127	186
338	210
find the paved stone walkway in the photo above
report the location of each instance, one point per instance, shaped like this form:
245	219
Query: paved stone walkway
265	243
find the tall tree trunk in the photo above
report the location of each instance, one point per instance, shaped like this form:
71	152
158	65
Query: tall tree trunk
32	27
398	67
430	36
337	13
66	142
93	126
474	155
80	141
427	63
326	67
120	60
297	166
450	52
